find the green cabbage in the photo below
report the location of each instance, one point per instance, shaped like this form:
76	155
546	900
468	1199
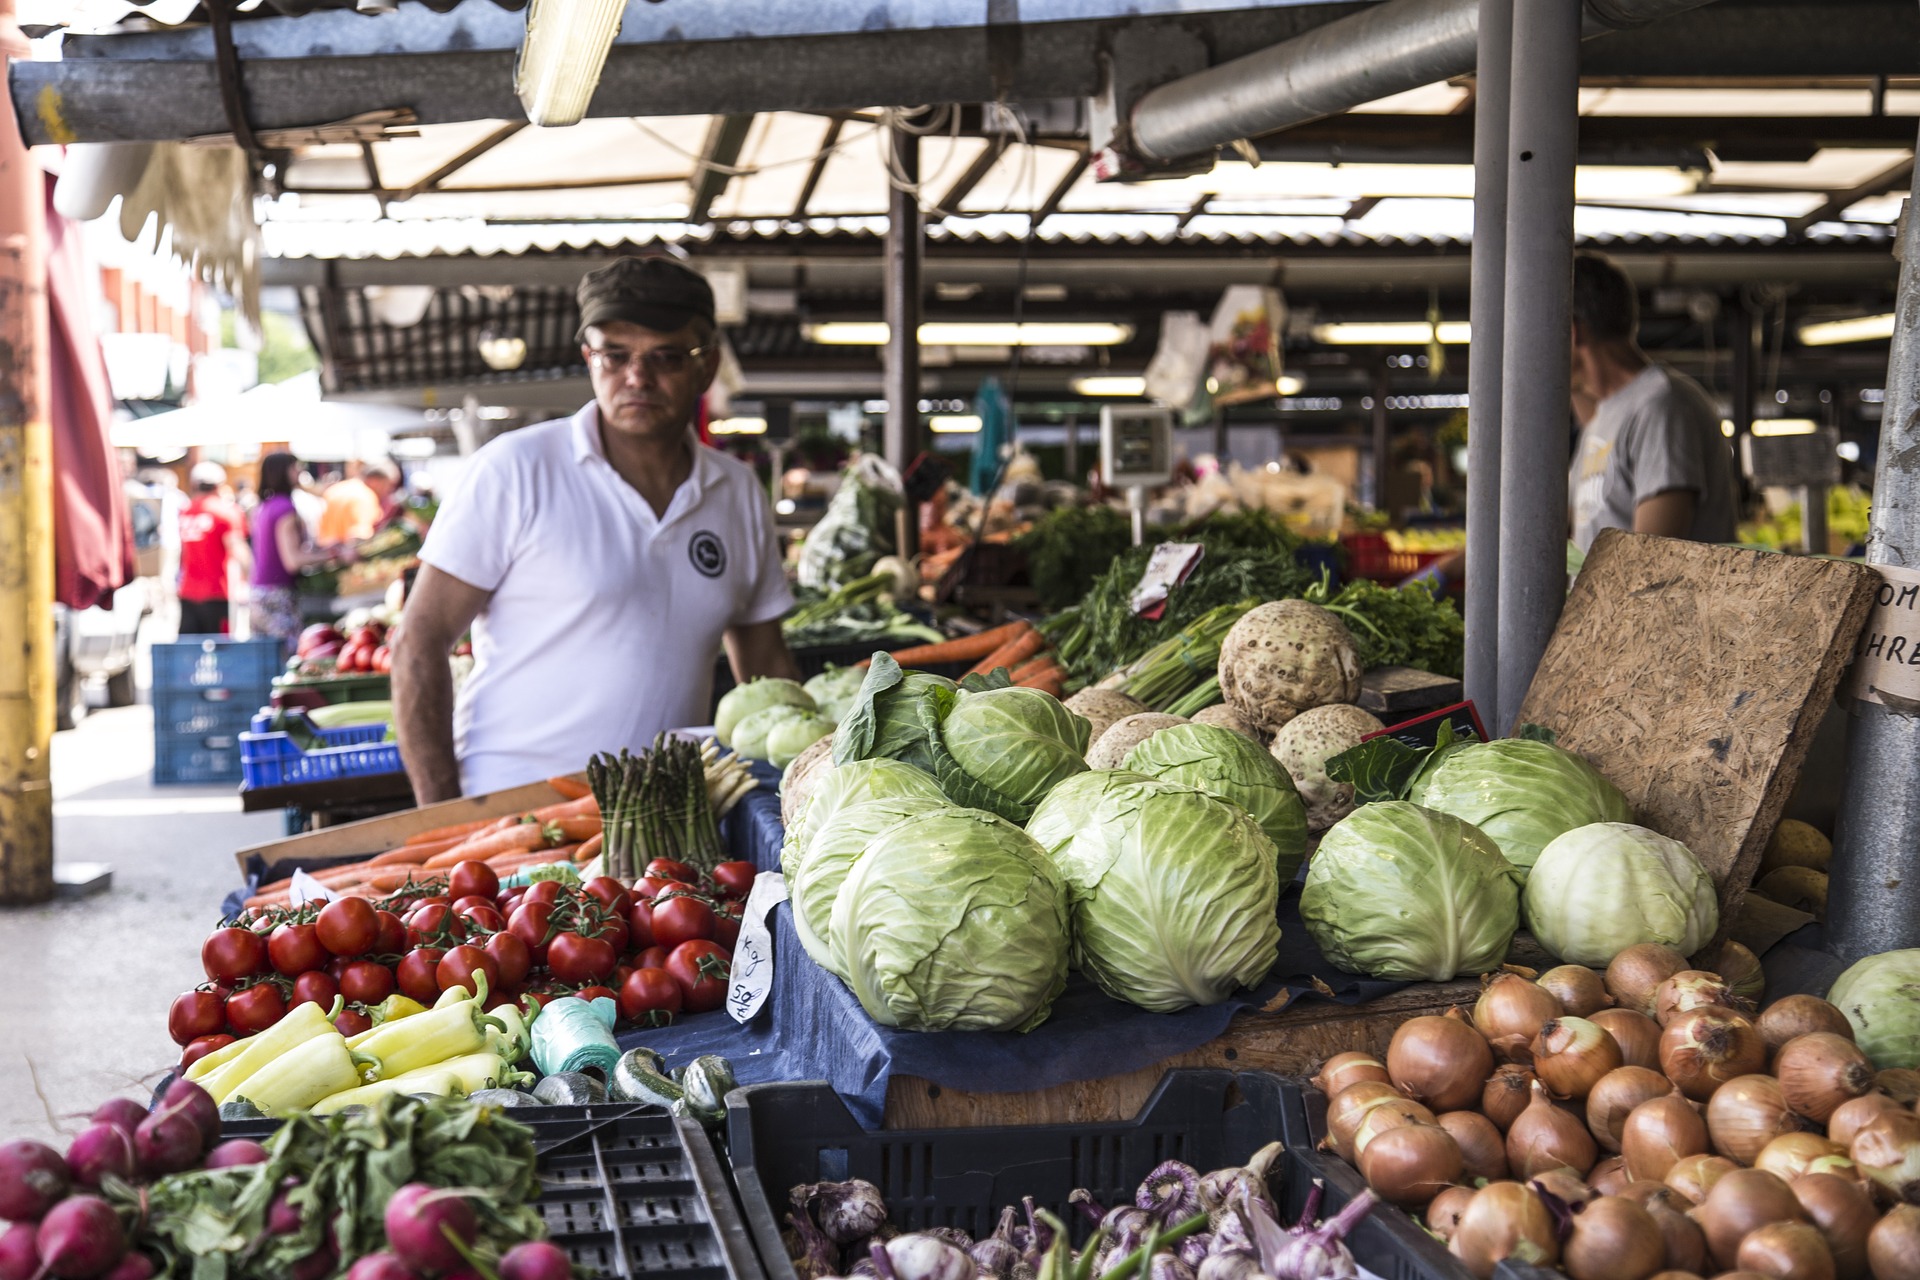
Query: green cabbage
1238	770
1881	998
1607	886
886	720
1521	793
813	885
1174	892
851	784
835	690
751	734
743	700
789	738
953	920
1397	891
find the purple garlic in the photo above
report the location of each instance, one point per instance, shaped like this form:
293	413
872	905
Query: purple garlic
996	1256
847	1211
1307	1253
1089	1208
1167	1266
1195	1248
1171	1193
1221	1189
922	1256
1230	1264
817	1257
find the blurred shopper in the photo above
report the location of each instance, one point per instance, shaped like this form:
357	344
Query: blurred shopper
280	550
359	504
212	539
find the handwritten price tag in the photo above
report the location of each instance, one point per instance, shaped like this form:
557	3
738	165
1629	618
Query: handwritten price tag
753	952
305	889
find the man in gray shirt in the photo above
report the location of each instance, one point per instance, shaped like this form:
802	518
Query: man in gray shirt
1652	458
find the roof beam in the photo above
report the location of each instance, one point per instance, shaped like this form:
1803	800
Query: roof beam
726	135
963	185
828	142
462	160
1052	204
1840	201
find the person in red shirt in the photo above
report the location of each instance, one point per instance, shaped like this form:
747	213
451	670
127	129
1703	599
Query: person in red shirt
212	534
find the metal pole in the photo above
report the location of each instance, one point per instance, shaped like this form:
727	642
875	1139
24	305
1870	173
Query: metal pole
1543	136
1380	438
1873	894
906	243
26	514
1741	396
1492	106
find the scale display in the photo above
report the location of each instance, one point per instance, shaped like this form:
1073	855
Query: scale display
1792	462
1136	446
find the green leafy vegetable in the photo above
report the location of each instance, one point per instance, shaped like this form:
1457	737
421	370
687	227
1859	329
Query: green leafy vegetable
1069	547
1398	626
1599	889
1234	768
1522	793
1384	768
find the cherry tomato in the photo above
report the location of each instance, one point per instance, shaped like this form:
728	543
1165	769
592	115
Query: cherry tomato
348	926
295	949
393	935
463	905
619	978
734	879
681	918
616	934
509	899
366	982
231	954
669	869
483	920
574	959
430	922
352	1022
547	891
316	985
726	924
654	957
650	997
194	1014
418	974
611	894
473	877
458	967
337	966
653	886
702	969
255	1009
640	924
531	922
200	1046
596	993
511	956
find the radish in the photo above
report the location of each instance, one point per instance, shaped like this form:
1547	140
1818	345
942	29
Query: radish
135	1266
420	1219
381	1266
33	1178
197	1104
101	1150
168	1141
322	1262
19	1255
234	1152
533	1260
80	1238
283	1219
122	1113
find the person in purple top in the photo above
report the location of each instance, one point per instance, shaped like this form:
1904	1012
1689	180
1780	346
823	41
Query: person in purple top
281	549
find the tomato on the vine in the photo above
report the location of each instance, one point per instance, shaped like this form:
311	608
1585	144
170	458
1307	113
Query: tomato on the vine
255	1009
352	1022
195	1014
614	931
511	956
654	957
547	891
418	974
200	1046
230	954
640	924
679	918
610	893
702	969
650	997
597	993
651	887
458	967
463	905
316	985
348	926
575	959
366	982
726	924
531	922
735	879
295	949
429	923
483	920
672	869
473	877
393	935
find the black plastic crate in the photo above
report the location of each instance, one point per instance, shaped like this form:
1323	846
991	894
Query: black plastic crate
781	1135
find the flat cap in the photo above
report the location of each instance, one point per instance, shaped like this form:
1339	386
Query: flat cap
654	293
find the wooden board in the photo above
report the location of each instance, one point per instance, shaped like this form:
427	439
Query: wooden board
1694	677
1397	693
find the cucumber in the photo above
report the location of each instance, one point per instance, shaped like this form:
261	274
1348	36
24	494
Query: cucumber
570	1089
640	1076
503	1098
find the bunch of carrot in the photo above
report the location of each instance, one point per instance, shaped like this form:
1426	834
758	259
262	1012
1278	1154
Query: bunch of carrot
1017	646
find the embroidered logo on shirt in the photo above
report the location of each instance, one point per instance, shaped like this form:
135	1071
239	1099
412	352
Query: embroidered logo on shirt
707	554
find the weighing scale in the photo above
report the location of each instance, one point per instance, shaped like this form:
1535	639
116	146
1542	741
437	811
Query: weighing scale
1136	454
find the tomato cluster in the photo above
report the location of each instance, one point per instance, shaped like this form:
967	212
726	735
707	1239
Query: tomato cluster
660	948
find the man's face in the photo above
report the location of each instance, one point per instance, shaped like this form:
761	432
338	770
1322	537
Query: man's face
648	383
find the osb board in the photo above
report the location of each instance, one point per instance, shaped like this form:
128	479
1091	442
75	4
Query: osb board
1694	677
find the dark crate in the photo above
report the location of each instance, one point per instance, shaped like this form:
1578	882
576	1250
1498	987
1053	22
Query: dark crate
781	1135
217	662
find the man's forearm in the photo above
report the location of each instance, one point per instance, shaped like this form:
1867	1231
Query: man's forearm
423	712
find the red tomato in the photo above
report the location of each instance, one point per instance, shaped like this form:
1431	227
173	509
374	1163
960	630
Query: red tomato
463	905
509	899
616	934
295	949
458	967
393	935
702	969
231	954
619	978
195	1014
654	957
418	974
574	959
726	924
429	923
317	986
511	956
483	919
532	923
365	982
547	891
681	918
337	966
640	924
255	1009
650	997
734	879
352	1022
596	993
473	877
200	1047
348	926
611	894
653	886
669	869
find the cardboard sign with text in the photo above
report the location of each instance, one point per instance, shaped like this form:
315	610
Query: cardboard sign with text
1886	665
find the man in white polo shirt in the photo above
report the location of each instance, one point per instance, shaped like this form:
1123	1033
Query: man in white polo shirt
600	561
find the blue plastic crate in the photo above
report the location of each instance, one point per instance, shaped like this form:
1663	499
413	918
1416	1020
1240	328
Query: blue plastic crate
181	760
269	758
217	662
189	715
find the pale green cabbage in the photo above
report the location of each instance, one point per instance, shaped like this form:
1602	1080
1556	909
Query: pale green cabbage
1881	998
789	738
1521	793
889	717
813	886
1401	892
850	784
751	734
1607	886
835	690
1174	892
743	700
953	920
1236	769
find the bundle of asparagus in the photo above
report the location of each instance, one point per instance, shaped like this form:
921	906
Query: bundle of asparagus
656	805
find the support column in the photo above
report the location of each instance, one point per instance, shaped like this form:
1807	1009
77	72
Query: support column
1536	415
1379	437
1741	376
26	514
906	244
1491	109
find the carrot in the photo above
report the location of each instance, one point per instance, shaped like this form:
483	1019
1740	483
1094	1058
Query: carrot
961	648
584	807
506	862
1012	653
1033	667
412	854
589	849
574	830
387	879
456	831
1053	682
526	836
571	788
277	898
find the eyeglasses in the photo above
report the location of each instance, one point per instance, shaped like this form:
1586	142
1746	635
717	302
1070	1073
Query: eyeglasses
661	362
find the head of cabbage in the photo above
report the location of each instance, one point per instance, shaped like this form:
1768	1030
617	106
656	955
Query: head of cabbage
952	919
1174	892
794	734
1234	768
1520	792
835	689
844	786
1881	997
885	721
743	700
1607	886
1401	892
835	844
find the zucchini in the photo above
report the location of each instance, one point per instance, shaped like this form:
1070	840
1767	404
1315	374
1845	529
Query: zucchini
641	1076
706	1081
503	1098
570	1089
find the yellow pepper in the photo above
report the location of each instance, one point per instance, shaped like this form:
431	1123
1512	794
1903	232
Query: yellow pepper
319	1068
430	1080
302	1023
430	1038
392	1009
476	1071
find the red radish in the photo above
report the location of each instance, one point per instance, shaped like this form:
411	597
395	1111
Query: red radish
33	1178
380	1266
283	1219
19	1255
122	1113
419	1220
235	1152
168	1141
80	1238
320	1263
135	1266
101	1150
198	1106
534	1260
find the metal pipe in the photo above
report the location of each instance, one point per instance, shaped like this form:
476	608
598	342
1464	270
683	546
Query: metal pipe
1492	103
1873	893
1535	384
1379	443
906	243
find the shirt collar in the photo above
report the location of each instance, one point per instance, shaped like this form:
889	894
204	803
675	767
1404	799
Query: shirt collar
587	445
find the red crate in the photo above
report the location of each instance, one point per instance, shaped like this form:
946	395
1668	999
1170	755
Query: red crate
1369	556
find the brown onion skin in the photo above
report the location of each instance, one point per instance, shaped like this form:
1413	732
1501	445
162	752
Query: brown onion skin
1636	973
1688	990
1391	1116
1615	1097
1888	1153
1570	1055
1742	1202
1410	1165
1581	991
1440	1061
1347	1108
1443	1214
1678	1275
1546	1138
1686	1244
1845	1215
1637	1035
1900	1084
1893	1246
1787	1251
1851	1117
1694	1176
1507	1093
1510	1012
1613	1239
1505	1220
1483	1147
1792	1155
1609	1177
1747	1113
1343	1070
1792	1016
1646	1193
1739	968
1659	1133
1702	1049
1562	1184
1820	1071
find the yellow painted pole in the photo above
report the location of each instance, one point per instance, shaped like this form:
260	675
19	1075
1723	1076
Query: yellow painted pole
26	514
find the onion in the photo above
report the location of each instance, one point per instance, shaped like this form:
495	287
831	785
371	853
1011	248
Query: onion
1893	1246
1505	1220
1660	1132
1482	1146
1510	1013
1691	1275
1845	1215
1443	1215
1686	1244
1411	1164
1570	1055
1345	1069
1545	1138
1644	1193
1563	1186
1694	1176
1440	1061
1746	1114
1637	1035
1820	1071
1610	1177
1704	1048
1849	1118
1787	1251
1739	967
1615	1097
1900	1084
1613	1239
1638	971
1743	1201
1688	990
1379	1120
1888	1151
1791	1155
1347	1108
1792	1016
1581	991
1506	1095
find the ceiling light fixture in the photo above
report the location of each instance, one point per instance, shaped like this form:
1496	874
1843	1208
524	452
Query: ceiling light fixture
947	333
1408	333
502	352
1832	333
1109	385
1785	426
738	426
954	424
561	58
